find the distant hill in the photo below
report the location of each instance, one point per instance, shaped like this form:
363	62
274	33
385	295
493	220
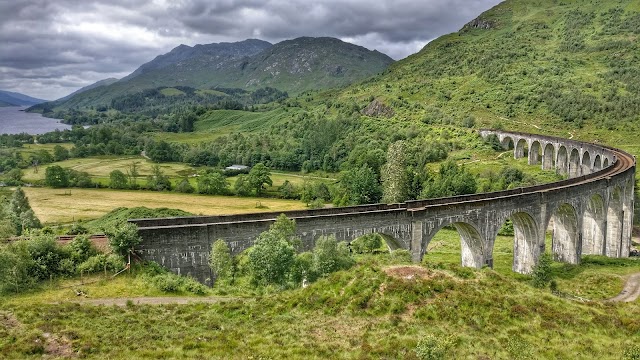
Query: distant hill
8	98
103	82
293	66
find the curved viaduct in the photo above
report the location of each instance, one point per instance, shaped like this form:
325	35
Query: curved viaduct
590	213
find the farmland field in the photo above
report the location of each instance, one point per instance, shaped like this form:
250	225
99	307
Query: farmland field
67	205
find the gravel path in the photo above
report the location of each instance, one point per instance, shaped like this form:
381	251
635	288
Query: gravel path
156	300
631	290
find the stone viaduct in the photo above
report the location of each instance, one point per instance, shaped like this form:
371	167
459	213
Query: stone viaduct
590	213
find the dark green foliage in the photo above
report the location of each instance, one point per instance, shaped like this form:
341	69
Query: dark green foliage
56	177
542	274
330	256
359	186
101	262
271	258
158	181
288	191
184	186
118	217
451	180
20	214
258	177
117	180
124	238
212	183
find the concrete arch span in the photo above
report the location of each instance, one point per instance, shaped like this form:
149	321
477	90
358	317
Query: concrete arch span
586	164
593	226
615	222
507	143
526	242
562	162
549	157
574	163
473	252
597	163
535	153
522	149
566	243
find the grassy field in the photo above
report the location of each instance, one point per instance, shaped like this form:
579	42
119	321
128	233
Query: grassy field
102	166
67	205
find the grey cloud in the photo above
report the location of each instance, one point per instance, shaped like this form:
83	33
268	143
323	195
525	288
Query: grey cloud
52	47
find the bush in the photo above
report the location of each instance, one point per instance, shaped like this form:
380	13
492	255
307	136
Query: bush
433	348
542	271
97	263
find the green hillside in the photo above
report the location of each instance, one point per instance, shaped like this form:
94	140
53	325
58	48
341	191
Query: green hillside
556	65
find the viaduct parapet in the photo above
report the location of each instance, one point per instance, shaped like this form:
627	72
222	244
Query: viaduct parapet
590	213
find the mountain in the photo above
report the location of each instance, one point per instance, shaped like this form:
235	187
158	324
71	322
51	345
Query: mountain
8	98
293	66
103	82
555	65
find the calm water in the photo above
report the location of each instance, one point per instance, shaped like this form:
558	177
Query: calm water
14	121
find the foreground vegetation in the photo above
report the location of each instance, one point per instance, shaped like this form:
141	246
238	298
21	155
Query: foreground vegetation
381	308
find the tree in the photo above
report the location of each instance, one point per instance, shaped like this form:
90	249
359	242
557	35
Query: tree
394	176
117	180
359	186
271	257
132	174
185	186
158	181
23	217
14	176
242	185
124	239
60	153
542	271
56	177
212	183
220	259
329	257
258	177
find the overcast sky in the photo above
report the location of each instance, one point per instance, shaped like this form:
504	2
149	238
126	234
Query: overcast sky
50	48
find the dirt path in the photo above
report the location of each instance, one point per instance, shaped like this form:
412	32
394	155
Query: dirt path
156	300
631	290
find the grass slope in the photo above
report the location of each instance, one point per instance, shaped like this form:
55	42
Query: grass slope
371	311
562	68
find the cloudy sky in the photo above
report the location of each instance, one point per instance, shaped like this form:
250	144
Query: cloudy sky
50	48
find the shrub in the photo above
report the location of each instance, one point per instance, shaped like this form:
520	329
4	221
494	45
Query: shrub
433	348
97	263
542	271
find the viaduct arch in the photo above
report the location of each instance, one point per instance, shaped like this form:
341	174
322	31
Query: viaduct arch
591	213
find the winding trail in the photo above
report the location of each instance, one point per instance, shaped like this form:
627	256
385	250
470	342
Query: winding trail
156	300
631	290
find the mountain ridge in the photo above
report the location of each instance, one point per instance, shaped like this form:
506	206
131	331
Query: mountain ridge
9	98
295	65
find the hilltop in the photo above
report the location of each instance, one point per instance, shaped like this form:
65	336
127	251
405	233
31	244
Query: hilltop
291	66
